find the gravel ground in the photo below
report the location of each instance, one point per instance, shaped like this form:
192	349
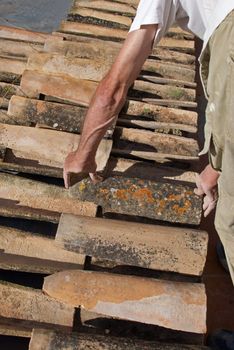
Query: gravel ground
40	15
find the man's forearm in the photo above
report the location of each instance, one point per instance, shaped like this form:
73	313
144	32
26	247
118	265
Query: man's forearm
109	99
103	111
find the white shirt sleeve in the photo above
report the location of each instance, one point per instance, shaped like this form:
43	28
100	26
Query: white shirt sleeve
161	12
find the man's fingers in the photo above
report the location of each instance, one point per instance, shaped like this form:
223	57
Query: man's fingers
95	178
66	178
198	191
209	209
208	205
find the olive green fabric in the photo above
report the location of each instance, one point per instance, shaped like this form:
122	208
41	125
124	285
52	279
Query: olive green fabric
218	77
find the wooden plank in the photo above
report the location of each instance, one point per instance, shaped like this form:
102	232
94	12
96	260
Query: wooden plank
31	308
8	90
49	340
167	92
115	327
4	102
78	91
149	246
183	46
109	6
70	118
15	331
149	171
159	113
46	147
56	116
131	122
77	68
3	119
130	150
133	298
36	200
92	68
170	103
170	70
92	30
14	262
130	2
22	34
74	90
19	48
39	249
120	34
99	17
22	167
156	200
12	65
174	82
8	77
161	143
106	49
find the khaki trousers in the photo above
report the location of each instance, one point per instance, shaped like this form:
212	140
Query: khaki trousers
218	73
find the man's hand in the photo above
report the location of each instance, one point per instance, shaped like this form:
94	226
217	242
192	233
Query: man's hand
207	186
73	165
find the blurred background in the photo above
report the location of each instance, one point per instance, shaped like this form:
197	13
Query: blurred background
40	15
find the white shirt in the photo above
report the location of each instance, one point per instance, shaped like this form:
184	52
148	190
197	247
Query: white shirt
200	17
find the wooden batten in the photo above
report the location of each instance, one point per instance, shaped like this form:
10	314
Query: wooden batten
131	196
132	152
12	65
22	34
173	82
167	92
4	103
46	147
92	30
31	308
33	84
49	340
15	331
21	197
89	48
159	113
9	77
132	298
137	122
19	48
170	70
88	15
161	143
146	170
93	69
4	118
129	2
110	6
35	253
101	49
58	116
149	246
7	90
77	68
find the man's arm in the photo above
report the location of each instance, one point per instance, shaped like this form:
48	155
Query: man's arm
108	100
